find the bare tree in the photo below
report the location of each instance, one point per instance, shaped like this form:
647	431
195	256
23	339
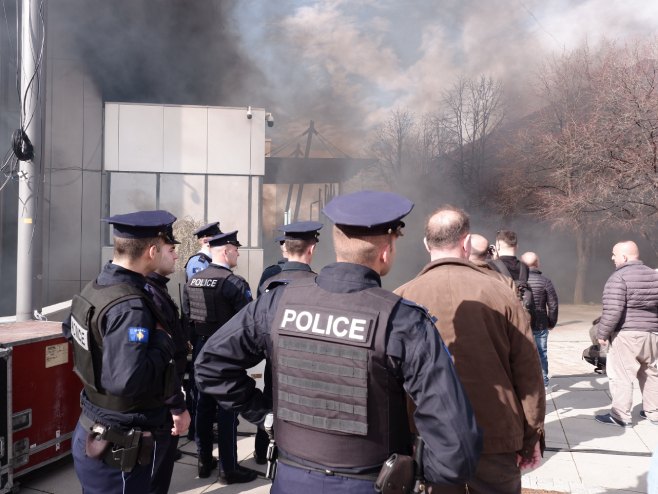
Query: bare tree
394	143
472	111
587	161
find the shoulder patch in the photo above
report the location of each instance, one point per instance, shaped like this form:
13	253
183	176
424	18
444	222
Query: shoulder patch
138	335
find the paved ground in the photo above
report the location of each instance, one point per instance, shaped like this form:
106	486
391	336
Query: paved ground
583	456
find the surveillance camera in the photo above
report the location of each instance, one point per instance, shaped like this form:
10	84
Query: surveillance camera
249	114
270	120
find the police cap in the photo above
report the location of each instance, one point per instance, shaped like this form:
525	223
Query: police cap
224	239
300	230
369	212
143	224
209	230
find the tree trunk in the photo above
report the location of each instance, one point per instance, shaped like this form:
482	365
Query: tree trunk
583	252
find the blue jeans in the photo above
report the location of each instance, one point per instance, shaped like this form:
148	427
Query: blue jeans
541	340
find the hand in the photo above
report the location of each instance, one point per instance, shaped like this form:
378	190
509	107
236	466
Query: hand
603	342
181	423
529	463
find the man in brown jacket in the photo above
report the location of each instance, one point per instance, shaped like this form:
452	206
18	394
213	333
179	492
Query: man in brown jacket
489	337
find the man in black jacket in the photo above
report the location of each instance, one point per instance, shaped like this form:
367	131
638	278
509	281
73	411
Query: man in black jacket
546	309
509	265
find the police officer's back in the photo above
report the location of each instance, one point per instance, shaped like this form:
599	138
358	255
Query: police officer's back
211	298
345	353
123	355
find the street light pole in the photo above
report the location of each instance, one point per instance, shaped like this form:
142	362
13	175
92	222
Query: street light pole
30	188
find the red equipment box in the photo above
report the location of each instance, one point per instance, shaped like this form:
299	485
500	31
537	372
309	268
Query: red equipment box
43	397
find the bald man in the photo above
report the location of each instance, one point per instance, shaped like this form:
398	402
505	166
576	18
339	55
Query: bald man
546	310
480	255
629	324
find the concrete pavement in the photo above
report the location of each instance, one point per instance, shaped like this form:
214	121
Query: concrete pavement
582	456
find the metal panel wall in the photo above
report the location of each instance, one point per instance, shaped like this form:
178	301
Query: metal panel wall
185	139
141	138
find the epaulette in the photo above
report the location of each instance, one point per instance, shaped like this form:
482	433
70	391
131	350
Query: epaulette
273	284
419	307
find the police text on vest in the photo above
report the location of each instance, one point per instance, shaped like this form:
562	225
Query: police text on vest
321	324
203	282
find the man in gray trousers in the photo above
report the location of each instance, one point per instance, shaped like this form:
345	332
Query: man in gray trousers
629	324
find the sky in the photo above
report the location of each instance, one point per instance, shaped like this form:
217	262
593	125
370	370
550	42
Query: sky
347	64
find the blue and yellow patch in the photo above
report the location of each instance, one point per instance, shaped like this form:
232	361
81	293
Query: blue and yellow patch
138	335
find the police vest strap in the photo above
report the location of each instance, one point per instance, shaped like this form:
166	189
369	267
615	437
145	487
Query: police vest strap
119	404
359	476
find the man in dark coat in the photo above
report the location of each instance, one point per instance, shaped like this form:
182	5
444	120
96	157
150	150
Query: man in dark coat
546	309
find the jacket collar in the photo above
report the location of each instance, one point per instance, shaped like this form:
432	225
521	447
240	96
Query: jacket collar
455	261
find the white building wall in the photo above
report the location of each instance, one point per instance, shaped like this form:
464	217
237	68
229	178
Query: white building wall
205	163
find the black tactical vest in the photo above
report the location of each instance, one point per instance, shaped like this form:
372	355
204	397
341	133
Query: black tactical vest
87	312
336	403
208	308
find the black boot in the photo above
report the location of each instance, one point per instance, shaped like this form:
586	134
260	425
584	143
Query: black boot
205	466
238	476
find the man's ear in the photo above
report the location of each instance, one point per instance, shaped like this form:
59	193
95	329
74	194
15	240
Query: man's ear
466	244
427	247
311	249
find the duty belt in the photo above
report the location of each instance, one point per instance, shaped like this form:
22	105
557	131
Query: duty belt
115	435
360	476
117	447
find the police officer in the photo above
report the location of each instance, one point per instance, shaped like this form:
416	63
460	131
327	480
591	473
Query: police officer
211	298
124	357
345	353
166	451
298	243
201	259
194	264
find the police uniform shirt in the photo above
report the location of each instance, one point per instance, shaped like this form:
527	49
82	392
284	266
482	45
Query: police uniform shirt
135	353
291	270
197	262
443	416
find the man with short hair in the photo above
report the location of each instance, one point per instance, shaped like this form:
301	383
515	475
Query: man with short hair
211	298
629	325
509	265
156	284
201	259
488	336
123	353
345	353
546	310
